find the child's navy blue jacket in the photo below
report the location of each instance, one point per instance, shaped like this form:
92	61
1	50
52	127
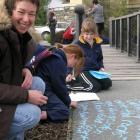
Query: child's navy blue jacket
93	55
53	70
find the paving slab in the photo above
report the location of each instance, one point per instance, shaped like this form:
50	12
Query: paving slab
120	65
115	117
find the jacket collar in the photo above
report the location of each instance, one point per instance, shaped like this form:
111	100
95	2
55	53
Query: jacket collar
5	21
97	40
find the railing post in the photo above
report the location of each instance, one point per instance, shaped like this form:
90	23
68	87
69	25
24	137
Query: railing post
115	34
121	36
80	12
138	37
128	36
110	31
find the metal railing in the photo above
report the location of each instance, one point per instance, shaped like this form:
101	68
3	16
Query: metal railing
125	34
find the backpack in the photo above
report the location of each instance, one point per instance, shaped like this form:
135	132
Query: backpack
40	54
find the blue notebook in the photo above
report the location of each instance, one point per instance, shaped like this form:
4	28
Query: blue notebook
100	74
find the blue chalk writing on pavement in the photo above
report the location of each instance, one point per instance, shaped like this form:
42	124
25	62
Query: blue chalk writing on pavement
117	118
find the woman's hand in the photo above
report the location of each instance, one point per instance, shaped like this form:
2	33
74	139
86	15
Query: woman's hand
36	97
27	78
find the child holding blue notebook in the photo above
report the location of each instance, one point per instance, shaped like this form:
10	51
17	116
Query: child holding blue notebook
92	76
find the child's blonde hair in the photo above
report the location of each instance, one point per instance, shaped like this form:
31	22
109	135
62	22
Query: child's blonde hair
88	25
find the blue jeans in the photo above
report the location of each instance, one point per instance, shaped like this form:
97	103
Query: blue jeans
26	115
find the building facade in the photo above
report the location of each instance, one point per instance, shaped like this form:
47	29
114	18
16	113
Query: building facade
133	5
75	2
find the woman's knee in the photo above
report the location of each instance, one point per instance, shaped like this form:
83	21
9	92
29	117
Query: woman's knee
38	84
34	115
27	115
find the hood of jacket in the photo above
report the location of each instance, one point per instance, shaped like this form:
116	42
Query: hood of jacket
5	21
97	40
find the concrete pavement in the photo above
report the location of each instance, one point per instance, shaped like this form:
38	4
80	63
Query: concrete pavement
117	115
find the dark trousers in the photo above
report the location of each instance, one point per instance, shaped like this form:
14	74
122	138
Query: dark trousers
52	35
86	82
56	110
100	27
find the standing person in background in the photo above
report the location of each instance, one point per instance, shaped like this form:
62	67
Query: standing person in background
19	109
52	26
98	15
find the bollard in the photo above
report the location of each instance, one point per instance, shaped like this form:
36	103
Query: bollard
80	15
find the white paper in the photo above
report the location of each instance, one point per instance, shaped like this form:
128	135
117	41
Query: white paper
83	96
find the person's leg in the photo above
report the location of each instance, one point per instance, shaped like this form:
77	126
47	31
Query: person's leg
51	35
105	83
26	117
85	82
100	27
95	85
56	110
38	84
99	84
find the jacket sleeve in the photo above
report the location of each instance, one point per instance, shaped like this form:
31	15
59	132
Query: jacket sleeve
100	58
9	93
69	70
57	72
12	94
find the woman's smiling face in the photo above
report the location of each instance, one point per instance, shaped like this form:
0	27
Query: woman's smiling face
23	15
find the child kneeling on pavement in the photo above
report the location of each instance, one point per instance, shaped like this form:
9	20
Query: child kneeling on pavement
53	70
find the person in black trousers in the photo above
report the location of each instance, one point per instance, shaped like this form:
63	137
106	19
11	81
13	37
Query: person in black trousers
52	26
